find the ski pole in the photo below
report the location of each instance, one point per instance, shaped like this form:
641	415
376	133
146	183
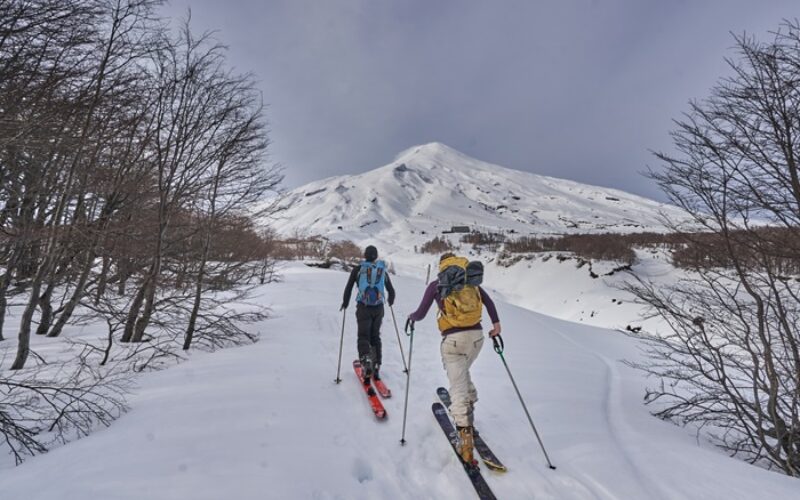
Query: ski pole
397	331
341	344
498	348
410	332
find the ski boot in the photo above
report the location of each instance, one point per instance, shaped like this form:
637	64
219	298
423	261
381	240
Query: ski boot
366	368
466	444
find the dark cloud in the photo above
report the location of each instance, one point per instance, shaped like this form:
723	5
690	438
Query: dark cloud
579	89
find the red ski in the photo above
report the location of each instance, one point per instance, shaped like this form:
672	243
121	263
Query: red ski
372	396
381	388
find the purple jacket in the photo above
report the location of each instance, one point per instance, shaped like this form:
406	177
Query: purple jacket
430	295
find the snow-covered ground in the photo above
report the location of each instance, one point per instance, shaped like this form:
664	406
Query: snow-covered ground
267	421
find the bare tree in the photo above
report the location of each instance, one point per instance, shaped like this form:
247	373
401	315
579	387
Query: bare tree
731	362
116	48
130	157
42	44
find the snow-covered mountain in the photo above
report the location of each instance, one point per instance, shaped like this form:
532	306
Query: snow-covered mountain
429	189
433	187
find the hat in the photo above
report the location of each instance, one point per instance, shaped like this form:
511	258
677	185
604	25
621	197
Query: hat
370	253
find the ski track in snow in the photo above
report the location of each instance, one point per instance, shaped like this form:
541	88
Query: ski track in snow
614	417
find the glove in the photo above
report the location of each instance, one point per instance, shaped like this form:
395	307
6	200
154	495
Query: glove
391	302
344	306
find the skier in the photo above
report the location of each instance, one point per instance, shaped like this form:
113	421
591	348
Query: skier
459	320
371	277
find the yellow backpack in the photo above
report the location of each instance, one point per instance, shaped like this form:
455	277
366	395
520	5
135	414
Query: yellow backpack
458	289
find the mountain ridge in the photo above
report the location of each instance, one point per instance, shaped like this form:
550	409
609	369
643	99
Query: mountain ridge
432	187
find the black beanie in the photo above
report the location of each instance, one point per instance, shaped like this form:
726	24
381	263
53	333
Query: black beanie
371	253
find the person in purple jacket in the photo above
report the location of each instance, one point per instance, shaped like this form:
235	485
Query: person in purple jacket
459	348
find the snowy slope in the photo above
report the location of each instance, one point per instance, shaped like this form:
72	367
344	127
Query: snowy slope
433	187
430	188
266	421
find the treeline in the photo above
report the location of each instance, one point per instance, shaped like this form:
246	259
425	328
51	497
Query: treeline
132	169
316	248
777	248
701	250
437	245
587	246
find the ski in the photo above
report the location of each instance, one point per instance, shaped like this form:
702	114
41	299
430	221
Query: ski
472	469
372	396
381	388
487	455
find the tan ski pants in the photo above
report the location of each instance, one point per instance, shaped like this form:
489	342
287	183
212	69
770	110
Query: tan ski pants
459	351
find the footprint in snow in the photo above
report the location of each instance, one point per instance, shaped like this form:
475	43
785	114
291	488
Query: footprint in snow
362	470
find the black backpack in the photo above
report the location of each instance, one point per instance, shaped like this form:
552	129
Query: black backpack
454	277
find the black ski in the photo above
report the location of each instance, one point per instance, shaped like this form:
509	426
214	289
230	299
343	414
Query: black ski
487	455
472	469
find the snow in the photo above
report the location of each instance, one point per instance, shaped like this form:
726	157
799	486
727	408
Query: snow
430	188
267	421
433	187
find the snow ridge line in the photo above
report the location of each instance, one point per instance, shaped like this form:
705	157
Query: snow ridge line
612	413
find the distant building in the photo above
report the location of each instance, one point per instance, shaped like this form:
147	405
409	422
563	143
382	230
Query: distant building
458	229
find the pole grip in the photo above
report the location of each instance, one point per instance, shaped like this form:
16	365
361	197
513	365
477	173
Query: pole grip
498	344
409	327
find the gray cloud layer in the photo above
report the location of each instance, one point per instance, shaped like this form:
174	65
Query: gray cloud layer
579	89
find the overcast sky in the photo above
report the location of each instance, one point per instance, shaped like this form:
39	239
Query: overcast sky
579	89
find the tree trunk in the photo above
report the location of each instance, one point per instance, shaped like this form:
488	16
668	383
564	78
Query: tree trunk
24	344
149	306
133	313
3	305
102	280
45	304
198	295
123	273
77	294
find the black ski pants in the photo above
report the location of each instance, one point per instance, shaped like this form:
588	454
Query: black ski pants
369	320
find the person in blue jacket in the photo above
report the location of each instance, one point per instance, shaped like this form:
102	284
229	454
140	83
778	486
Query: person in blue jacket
372	279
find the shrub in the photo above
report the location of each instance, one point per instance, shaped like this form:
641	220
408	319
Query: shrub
436	245
345	251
